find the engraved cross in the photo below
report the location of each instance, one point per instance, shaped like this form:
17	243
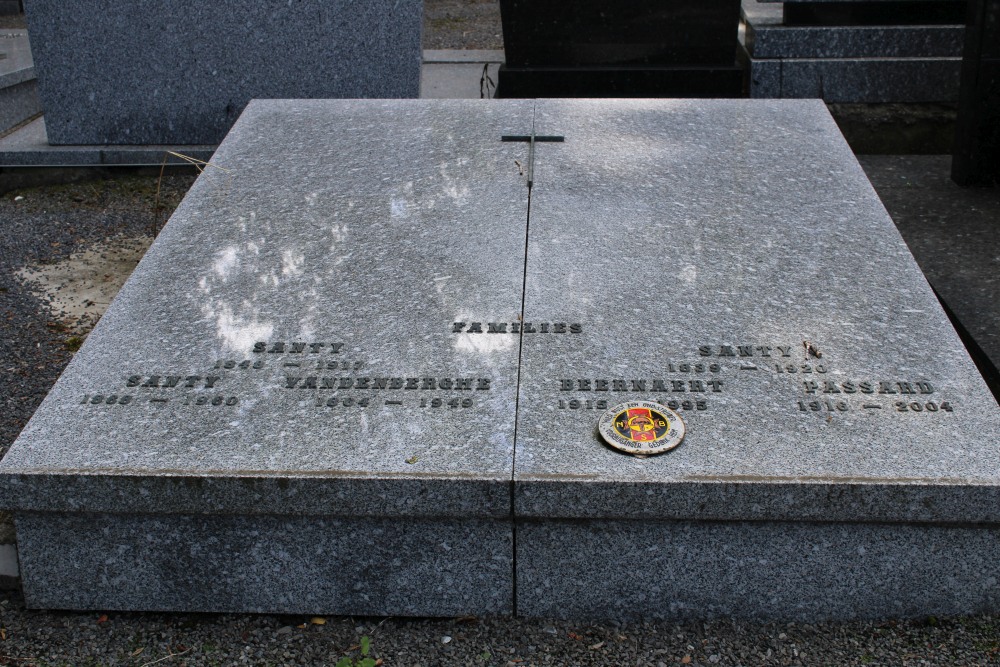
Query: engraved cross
531	139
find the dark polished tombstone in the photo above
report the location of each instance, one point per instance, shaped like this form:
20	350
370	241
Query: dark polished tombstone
632	48
879	12
976	158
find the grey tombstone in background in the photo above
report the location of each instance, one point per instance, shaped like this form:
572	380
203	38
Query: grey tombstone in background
360	361
163	72
18	91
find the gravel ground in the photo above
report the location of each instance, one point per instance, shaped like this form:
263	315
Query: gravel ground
64	638
462	24
9	21
43	226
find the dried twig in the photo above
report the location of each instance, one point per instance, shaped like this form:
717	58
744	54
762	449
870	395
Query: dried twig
200	165
166	657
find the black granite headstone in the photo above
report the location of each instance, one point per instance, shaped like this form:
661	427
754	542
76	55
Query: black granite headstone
627	48
916	12
976	158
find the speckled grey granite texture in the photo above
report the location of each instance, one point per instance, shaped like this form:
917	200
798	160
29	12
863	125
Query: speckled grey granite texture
354	256
870	64
793	571
727	258
18	103
776	41
756	272
857	80
129	72
28	146
16	65
733	252
312	277
18	90
292	565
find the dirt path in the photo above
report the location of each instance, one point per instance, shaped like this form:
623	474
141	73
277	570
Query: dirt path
462	24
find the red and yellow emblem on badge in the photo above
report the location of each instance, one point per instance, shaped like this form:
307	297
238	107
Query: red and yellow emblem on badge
641	428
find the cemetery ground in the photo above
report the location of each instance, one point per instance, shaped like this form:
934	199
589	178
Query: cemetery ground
68	247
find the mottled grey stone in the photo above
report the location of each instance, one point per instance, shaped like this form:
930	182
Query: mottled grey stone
951	231
125	72
291	565
16	65
727	258
28	146
765	40
18	92
367	229
802	571
677	232
856	80
865	63
765	78
377	240
872	81
18	103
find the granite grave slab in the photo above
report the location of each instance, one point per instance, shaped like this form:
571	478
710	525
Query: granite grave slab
276	396
362	359
730	261
127	72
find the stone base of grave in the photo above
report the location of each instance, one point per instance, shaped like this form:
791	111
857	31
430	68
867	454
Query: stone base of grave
867	62
359	566
640	570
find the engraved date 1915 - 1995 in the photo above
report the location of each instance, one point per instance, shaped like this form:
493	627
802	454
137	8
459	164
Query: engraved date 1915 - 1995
584	404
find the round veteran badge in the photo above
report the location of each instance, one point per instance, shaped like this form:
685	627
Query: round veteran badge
641	428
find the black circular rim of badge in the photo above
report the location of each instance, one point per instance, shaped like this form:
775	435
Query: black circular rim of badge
641	428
